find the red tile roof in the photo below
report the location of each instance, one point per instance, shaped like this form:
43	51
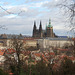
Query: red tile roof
2	52
63	49
25	52
72	58
10	51
52	53
73	38
37	54
11	73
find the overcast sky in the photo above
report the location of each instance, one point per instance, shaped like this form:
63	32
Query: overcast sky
17	16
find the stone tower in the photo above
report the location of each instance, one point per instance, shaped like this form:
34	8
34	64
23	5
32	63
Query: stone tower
34	29
49	30
40	30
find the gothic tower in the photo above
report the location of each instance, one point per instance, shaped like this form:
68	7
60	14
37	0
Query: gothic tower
34	29
49	30
40	30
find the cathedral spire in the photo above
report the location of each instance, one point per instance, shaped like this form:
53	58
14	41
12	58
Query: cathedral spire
49	25
34	29
34	25
40	28
49	21
40	23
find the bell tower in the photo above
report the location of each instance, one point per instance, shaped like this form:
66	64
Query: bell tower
49	29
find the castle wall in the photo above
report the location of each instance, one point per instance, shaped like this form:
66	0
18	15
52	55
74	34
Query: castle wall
58	43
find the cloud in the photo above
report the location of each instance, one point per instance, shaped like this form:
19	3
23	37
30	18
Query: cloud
21	10
17	25
28	1
1	2
6	3
16	10
33	10
50	4
10	16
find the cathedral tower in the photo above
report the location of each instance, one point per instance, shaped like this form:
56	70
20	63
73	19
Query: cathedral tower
34	29
40	30
49	30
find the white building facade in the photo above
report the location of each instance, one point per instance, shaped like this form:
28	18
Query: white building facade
55	42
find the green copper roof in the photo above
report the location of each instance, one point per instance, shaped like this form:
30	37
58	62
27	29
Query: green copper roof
49	25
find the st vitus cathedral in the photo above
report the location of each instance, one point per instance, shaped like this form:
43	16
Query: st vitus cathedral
48	32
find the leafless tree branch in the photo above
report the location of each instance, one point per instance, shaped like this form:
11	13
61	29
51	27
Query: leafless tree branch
69	8
11	12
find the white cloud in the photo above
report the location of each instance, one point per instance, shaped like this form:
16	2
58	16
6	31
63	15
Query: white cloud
1	2
6	3
28	1
10	16
23	23
56	0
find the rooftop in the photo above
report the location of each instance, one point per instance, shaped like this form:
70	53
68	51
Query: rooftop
49	38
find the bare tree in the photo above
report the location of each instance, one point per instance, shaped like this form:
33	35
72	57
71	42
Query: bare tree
11	12
18	45
8	12
69	8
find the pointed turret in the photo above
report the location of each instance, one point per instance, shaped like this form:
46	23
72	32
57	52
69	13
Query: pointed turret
49	21
34	29
40	28
34	25
49	25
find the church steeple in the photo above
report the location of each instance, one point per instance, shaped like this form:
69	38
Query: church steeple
40	28
49	25
34	25
34	29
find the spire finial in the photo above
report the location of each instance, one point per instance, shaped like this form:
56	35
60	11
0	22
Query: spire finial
34	25
40	27
34	22
40	22
49	21
49	25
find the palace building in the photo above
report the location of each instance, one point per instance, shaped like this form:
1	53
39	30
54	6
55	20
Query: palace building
48	32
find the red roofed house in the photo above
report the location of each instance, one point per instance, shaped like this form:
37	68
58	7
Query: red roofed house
2	58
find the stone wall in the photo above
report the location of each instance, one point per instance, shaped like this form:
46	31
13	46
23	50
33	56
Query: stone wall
46	43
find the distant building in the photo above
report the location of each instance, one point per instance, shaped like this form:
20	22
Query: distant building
3	40
30	42
55	42
48	32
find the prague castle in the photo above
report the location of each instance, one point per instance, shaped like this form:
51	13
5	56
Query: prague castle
44	38
48	32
